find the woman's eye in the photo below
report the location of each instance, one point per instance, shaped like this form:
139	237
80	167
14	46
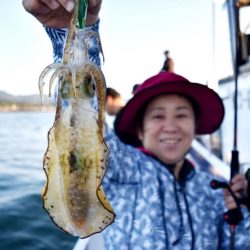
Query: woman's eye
182	116
158	117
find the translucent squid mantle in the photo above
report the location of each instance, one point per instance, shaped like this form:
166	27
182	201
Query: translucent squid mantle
76	158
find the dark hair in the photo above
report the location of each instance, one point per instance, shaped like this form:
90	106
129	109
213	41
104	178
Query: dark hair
135	87
112	92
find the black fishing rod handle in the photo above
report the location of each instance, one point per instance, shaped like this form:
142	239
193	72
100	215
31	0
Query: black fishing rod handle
232	216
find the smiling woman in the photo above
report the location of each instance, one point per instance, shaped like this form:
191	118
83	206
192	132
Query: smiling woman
171	111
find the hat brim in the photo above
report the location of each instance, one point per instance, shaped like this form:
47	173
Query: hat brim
211	108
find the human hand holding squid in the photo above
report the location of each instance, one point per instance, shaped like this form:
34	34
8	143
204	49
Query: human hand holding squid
58	13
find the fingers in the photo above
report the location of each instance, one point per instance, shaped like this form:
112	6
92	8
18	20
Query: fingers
239	184
52	4
55	4
229	201
43	6
68	5
35	7
239	187
94	6
57	13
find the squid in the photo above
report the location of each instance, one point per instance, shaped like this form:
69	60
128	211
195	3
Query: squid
76	158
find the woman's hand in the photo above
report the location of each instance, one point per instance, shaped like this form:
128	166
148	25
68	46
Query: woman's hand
57	13
239	186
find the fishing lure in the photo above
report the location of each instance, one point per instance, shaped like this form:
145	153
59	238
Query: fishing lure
76	158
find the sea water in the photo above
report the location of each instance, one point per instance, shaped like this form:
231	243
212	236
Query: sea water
24	224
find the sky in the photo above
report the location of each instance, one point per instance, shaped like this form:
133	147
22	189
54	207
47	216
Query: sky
134	36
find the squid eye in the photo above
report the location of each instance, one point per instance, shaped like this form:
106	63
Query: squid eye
89	86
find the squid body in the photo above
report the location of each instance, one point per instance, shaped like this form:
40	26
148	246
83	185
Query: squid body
76	158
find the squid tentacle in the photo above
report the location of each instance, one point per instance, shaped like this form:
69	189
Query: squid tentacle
60	70
41	81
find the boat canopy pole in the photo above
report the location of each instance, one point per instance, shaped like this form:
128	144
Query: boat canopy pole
234	216
233	15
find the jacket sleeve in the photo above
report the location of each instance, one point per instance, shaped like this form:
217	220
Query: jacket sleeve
124	161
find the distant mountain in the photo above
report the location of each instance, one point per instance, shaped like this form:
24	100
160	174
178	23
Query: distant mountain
22	99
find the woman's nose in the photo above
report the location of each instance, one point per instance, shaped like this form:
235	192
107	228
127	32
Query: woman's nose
169	125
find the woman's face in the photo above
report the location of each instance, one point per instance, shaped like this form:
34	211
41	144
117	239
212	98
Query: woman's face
168	128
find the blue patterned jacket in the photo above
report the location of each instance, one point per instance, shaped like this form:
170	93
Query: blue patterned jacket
154	211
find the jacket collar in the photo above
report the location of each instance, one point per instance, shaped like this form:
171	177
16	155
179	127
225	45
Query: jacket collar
186	172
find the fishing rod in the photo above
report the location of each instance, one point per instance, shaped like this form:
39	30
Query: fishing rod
233	216
233	15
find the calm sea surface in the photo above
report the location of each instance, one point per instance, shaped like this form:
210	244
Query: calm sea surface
24	224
